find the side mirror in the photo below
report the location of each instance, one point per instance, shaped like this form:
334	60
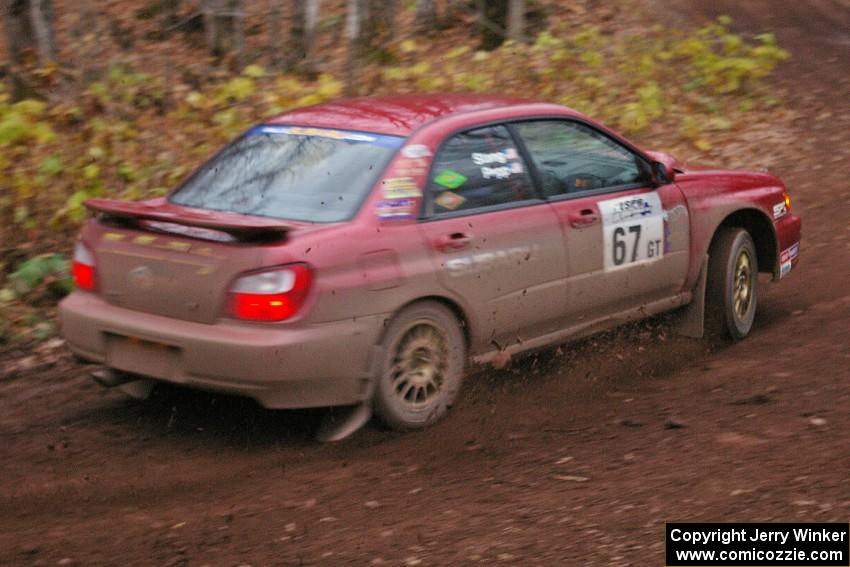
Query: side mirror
662	175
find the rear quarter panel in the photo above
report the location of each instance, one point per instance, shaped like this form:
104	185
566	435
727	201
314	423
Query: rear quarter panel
364	269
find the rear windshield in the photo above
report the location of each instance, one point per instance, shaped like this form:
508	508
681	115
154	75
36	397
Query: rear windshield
289	172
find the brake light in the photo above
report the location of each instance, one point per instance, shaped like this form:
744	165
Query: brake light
273	295
83	267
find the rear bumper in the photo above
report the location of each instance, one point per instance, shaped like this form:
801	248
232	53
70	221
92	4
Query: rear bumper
292	366
788	235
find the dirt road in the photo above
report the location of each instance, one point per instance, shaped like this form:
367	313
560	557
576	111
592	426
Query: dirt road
574	460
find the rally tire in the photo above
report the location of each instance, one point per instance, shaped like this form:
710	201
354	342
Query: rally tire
732	285
424	353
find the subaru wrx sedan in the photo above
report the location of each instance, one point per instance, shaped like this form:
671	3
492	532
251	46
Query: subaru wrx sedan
361	252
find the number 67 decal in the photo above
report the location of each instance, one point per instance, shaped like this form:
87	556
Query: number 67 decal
620	243
633	230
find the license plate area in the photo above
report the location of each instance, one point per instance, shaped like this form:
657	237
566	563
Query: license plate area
140	356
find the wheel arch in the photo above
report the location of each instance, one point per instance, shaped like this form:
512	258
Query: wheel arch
761	230
450	304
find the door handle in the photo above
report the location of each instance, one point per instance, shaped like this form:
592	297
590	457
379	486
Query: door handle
583	218
453	242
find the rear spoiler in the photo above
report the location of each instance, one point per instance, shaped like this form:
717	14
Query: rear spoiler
241	227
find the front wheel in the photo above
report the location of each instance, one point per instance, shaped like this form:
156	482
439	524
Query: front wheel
424	358
732	285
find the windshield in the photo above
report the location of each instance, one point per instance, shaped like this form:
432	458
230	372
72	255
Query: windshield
288	172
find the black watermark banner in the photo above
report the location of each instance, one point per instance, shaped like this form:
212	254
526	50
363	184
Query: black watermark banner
758	545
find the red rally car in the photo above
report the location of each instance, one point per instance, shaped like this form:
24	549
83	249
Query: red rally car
360	252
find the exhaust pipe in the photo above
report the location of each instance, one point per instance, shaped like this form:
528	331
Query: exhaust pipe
133	386
109	378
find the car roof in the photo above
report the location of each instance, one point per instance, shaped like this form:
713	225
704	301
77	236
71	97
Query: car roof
397	115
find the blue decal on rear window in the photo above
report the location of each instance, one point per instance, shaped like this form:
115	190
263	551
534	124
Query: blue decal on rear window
346	135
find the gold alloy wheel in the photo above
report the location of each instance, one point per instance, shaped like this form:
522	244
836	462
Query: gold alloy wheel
743	285
419	364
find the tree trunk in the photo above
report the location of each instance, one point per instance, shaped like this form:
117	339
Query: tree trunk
311	20
41	19
386	10
492	16
516	20
426	15
211	28
352	36
19	34
275	34
18	37
236	17
170	16
377	18
305	17
367	24
29	24
224	24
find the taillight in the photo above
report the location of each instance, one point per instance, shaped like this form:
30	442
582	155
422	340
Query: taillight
83	267
273	295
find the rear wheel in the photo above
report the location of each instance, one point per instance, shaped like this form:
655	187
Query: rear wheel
732	285
424	357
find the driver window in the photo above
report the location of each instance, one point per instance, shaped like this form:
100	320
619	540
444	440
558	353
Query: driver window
477	169
573	158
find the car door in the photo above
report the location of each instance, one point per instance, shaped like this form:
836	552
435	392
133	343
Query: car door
497	245
627	241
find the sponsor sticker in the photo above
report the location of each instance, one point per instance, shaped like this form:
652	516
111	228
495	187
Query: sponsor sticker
449	200
794	250
786	259
416	151
411	167
396	209
501	172
779	209
450	178
502	157
498	165
144	239
400	188
485	261
190	231
176	245
632	230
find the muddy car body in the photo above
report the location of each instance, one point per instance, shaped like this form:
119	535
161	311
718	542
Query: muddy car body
442	228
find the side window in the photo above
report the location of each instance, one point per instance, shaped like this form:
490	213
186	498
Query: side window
572	157
477	168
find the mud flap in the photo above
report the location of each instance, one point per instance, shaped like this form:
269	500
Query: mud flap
339	423
690	321
370	379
